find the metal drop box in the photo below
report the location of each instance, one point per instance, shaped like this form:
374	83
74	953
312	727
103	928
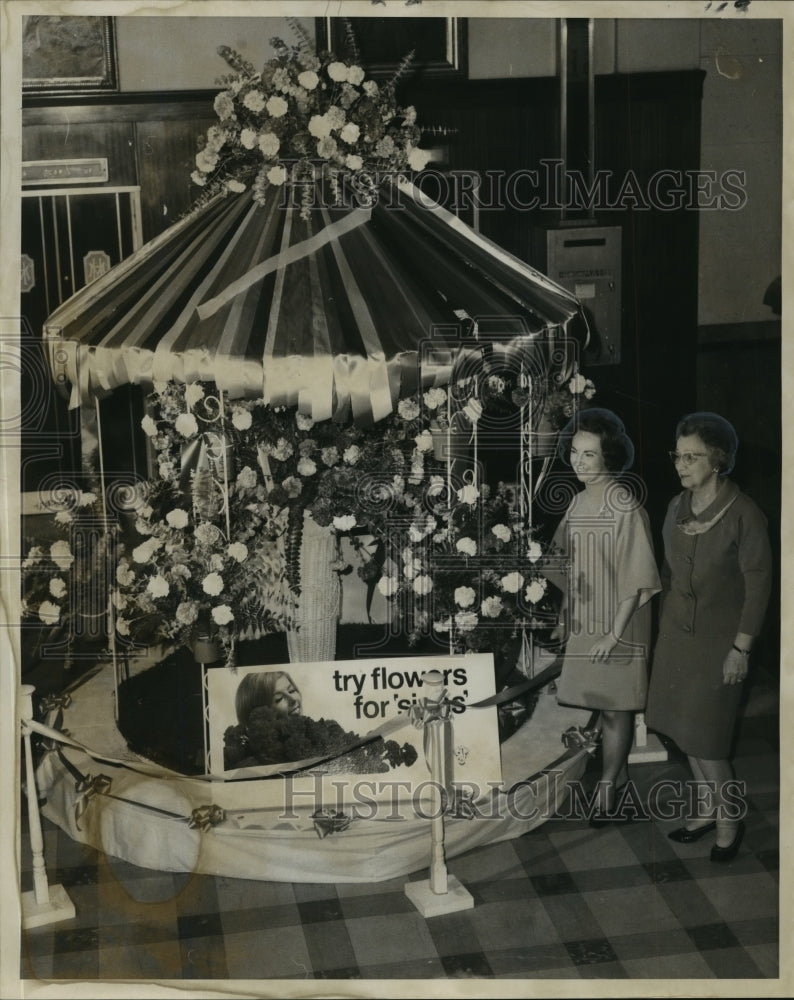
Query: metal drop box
587	261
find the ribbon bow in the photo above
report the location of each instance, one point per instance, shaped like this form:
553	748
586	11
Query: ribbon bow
577	737
328	821
86	789
206	817
429	709
462	805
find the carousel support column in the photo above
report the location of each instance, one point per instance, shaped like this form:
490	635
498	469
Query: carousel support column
44	904
441	892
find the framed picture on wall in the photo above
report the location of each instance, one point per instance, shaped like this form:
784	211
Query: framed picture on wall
68	55
439	44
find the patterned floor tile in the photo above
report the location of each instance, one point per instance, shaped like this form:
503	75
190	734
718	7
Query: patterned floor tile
766	958
262	917
454	933
544	961
204	958
329	946
273	953
387	940
591	951
641	908
684	965
471	965
518	924
153	962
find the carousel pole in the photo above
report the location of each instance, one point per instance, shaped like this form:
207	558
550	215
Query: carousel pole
441	892
111	617
44	904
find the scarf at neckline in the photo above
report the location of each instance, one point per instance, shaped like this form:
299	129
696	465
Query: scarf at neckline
689	523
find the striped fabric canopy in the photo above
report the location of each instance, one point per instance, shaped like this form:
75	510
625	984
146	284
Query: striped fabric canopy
340	315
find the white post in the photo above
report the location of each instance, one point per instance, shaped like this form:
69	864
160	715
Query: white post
45	904
441	893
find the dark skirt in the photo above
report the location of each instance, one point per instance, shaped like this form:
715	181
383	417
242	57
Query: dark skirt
687	698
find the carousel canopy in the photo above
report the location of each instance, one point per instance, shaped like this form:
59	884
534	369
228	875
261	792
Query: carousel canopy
341	313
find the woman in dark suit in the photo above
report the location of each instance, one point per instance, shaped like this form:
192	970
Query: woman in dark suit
716	581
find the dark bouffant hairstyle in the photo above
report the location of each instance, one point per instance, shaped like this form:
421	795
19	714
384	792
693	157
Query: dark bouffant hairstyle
616	446
716	433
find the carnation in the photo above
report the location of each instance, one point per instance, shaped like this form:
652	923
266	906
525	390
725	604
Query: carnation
534	551
207	533
350	133
238	551
418	159
254	100
408	409
149	426
246	478
577	384
434	398
224	105
468	494
124	575
198	178
158	586
467	546
464	596
222	614
330	456
492	607
57	587
122	626
61	555
308	79
424	441
466	621
512	583
241	418
248	138
277	175
212	584
388	586
186	424
269	143
177	518
235	186
355	75
186	612
535	591
49	613
352	454
283	450
63	517
337	72
206	160
370	88
327	148
304	422
193	393
353	161
502	532
384	146
319	126
423	584
345	522
292	487
276	107
307	467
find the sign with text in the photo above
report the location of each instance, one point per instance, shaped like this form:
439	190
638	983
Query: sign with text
287	721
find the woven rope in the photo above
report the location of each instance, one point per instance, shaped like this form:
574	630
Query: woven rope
317	614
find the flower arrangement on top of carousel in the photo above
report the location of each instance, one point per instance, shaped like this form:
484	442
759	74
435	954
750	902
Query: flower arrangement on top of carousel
301	109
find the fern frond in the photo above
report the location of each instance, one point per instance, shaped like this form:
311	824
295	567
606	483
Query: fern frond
351	43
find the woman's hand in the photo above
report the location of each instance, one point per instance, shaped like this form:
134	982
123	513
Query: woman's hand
599	651
734	667
557	635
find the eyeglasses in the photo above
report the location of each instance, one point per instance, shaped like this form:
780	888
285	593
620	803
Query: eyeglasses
688	458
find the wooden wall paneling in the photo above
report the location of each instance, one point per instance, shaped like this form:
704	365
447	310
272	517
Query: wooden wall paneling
166	152
63	139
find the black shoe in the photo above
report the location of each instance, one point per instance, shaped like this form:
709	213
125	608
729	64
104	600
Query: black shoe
725	854
684	836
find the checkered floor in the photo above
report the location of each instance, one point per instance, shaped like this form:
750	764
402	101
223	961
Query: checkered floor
562	902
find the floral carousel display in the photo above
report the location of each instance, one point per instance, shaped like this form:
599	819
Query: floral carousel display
326	357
